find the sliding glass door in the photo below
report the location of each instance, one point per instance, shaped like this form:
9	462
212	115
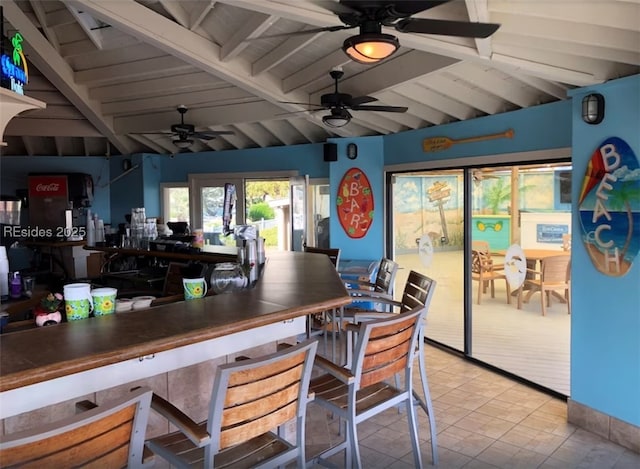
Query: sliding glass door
456	225
428	232
529	206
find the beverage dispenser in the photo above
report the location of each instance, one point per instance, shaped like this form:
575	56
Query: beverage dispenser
48	201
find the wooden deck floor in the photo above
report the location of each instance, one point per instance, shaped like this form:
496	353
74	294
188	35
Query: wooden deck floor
522	342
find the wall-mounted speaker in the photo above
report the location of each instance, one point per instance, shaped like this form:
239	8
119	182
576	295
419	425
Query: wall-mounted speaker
331	152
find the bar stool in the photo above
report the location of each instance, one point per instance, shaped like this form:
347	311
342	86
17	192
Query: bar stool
418	291
384	348
249	399
109	435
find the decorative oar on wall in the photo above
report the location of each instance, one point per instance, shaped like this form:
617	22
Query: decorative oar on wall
444	143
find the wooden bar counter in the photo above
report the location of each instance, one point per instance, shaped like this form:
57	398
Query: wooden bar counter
44	366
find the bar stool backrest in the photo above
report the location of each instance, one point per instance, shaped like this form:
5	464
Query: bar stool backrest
418	291
386	276
333	253
110	435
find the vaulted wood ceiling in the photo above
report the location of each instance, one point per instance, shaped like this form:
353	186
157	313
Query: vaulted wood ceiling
112	72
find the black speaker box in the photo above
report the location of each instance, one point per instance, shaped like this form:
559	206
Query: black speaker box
331	152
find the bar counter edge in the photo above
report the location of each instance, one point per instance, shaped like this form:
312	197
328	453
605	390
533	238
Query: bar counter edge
70	359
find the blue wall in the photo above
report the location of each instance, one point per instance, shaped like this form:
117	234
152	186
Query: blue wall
370	160
308	159
535	128
14	171
605	324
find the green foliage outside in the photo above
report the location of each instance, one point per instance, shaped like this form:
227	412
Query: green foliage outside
256	190
496	195
178	204
260	211
270	236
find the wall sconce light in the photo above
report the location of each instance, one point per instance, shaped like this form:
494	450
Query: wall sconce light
593	108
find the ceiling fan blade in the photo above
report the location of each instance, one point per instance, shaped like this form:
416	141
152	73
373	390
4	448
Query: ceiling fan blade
203	137
358	100
209	134
380	108
320	106
446	27
335	7
302	32
151	133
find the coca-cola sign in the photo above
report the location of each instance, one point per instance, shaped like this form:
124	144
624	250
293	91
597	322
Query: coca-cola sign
47	186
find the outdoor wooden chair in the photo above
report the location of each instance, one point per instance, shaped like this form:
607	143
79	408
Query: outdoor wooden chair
109	435
486	273
384	348
250	398
555	275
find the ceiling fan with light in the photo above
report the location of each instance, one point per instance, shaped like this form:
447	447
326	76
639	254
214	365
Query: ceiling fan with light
182	134
372	45
340	103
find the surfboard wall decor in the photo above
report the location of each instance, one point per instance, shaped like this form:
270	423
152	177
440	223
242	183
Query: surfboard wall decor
355	203
609	207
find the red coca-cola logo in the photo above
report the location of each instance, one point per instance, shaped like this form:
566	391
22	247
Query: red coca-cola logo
47	186
51	187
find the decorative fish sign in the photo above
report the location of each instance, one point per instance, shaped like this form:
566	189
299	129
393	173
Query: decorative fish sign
355	203
609	207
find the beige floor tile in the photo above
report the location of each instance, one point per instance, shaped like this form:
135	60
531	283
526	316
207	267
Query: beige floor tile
447	378
504	455
463	441
447	459
505	410
534	440
524	396
461	398
477	464
550	423
486	425
395	445
483	420
485	386
554	406
448	414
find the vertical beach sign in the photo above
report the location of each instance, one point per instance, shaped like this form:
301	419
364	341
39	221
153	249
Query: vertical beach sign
609	207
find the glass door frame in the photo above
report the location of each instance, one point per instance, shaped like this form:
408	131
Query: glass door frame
467	164
200	180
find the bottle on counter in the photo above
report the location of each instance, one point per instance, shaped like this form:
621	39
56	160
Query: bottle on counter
15	286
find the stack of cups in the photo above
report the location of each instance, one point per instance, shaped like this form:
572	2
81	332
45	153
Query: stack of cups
261	253
4	273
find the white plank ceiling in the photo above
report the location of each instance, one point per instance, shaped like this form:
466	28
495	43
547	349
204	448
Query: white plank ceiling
114	71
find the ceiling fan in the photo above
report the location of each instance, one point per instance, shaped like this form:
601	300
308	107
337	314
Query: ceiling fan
340	103
480	175
183	134
371	45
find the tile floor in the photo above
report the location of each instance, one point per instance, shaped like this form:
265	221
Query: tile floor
484	420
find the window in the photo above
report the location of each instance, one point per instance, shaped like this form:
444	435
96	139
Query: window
175	202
